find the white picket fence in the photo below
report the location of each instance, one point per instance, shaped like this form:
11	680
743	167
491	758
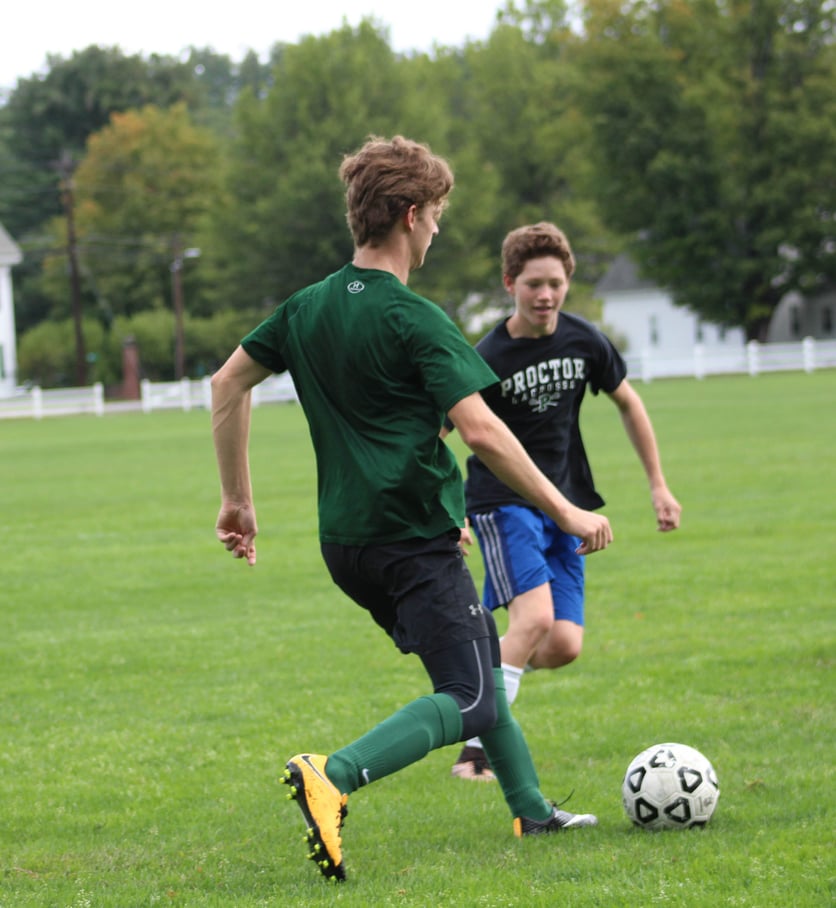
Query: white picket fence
190	394
752	359
187	394
34	402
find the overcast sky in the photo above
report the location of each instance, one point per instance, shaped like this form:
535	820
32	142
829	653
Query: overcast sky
35	29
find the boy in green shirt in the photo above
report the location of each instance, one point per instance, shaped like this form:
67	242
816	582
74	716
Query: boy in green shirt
376	368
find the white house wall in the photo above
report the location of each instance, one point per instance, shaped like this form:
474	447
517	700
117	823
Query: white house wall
647	320
8	346
794	318
9	255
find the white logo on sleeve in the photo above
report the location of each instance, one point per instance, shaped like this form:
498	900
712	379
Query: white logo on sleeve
356	287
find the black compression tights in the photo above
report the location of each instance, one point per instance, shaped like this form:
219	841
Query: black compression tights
464	671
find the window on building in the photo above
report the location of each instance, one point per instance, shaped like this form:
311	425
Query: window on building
795	321
827	320
698	332
654	331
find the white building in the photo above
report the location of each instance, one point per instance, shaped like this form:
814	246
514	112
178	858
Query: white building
9	255
796	317
645	318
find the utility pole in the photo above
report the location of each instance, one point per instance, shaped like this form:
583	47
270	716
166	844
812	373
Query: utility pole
177	295
65	171
178	254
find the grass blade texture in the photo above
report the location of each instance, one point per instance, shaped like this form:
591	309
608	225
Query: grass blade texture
152	687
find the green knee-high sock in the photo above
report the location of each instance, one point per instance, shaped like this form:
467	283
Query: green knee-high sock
510	759
408	735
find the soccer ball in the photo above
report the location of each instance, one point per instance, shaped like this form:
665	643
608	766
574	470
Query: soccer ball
670	786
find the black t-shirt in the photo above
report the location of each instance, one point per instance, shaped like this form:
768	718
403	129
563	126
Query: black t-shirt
542	384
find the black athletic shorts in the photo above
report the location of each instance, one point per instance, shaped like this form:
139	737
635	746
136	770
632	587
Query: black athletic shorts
419	591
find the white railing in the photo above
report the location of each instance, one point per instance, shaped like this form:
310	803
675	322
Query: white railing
752	359
192	394
37	403
187	394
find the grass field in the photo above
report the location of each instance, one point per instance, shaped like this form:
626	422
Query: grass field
152	687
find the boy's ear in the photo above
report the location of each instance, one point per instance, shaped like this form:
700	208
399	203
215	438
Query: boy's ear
410	217
508	282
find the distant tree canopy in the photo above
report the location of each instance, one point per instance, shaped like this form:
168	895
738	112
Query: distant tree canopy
713	126
46	118
285	226
143	190
696	135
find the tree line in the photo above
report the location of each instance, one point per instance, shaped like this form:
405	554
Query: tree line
166	199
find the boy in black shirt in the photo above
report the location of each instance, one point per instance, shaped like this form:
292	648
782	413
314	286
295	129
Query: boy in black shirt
545	359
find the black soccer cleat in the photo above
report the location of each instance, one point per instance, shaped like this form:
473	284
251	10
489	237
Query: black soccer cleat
557	822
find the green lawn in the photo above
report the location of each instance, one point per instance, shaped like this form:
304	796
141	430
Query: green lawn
152	687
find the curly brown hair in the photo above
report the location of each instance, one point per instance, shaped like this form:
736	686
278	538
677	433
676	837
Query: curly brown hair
535	241
385	177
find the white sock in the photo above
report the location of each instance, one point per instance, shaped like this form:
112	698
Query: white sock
512	676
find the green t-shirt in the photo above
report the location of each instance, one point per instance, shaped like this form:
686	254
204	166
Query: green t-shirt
376	368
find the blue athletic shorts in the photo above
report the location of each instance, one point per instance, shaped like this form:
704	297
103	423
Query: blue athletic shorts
523	548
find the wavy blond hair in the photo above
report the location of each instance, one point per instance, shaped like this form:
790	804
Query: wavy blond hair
384	178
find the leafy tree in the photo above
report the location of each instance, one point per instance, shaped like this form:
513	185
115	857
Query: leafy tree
538	20
218	82
254	75
710	123
153	333
285	227
142	189
517	114
510	101
433	110
48	116
138	198
46	353
211	339
46	120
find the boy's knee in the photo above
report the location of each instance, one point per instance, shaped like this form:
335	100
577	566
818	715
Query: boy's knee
568	657
562	646
557	658
479	719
